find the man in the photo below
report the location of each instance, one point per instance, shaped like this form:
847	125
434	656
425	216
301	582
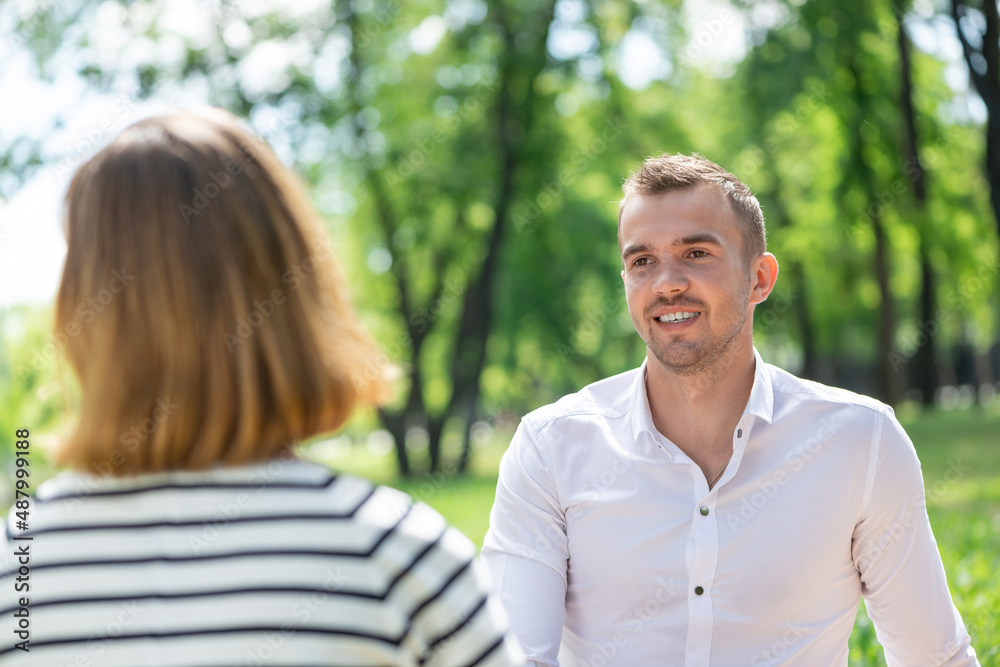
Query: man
708	508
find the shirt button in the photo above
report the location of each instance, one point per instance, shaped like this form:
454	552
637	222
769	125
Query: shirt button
698	590
739	433
704	511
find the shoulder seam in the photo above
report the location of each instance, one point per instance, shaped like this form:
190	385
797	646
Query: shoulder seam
547	419
869	403
543	450
873	457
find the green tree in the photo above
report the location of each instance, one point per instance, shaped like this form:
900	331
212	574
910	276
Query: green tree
468	158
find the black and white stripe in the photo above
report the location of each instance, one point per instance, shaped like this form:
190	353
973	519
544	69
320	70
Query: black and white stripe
280	563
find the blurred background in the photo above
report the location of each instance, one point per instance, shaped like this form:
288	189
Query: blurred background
467	158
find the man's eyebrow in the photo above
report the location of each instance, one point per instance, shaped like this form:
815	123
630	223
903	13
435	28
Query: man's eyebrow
635	248
695	239
698	239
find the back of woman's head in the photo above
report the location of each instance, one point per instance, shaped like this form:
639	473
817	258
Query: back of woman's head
202	305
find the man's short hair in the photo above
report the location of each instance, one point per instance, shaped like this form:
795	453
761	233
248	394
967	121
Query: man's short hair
667	173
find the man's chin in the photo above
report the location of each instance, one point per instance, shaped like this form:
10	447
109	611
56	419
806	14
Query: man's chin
679	358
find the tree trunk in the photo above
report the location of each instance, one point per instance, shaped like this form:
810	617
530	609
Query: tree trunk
887	385
778	217
800	304
925	356
984	70
395	424
806	329
413	414
928	379
885	381
477	308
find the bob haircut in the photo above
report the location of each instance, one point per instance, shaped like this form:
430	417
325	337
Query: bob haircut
203	307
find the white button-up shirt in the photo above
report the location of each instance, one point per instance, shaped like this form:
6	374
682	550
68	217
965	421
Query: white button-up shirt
607	547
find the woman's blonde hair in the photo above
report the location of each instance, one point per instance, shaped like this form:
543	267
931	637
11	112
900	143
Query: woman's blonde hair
201	303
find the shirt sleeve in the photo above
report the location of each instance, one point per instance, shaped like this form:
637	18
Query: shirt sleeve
526	549
902	578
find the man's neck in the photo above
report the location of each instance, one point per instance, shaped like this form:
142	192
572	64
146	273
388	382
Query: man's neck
699	412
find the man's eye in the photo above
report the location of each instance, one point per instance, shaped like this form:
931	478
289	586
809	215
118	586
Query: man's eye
698	254
642	261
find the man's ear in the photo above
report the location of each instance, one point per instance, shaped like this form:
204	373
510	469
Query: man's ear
765	275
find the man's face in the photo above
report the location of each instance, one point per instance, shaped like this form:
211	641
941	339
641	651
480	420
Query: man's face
687	283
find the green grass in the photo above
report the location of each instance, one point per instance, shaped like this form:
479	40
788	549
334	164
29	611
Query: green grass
960	456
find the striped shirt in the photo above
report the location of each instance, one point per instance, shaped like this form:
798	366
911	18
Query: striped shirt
279	563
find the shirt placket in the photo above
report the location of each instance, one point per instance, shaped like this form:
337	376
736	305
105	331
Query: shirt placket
705	556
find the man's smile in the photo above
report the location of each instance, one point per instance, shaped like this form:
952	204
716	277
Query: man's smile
679	316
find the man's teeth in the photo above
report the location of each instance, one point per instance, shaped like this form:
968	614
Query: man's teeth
676	317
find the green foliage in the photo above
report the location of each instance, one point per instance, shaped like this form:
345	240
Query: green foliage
31	392
416	150
423	128
30	389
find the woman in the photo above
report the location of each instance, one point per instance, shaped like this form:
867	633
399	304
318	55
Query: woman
206	319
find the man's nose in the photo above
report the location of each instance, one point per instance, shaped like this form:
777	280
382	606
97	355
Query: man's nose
670	278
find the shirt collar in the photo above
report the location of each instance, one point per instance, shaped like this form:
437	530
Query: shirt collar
760	404
761	401
642	417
